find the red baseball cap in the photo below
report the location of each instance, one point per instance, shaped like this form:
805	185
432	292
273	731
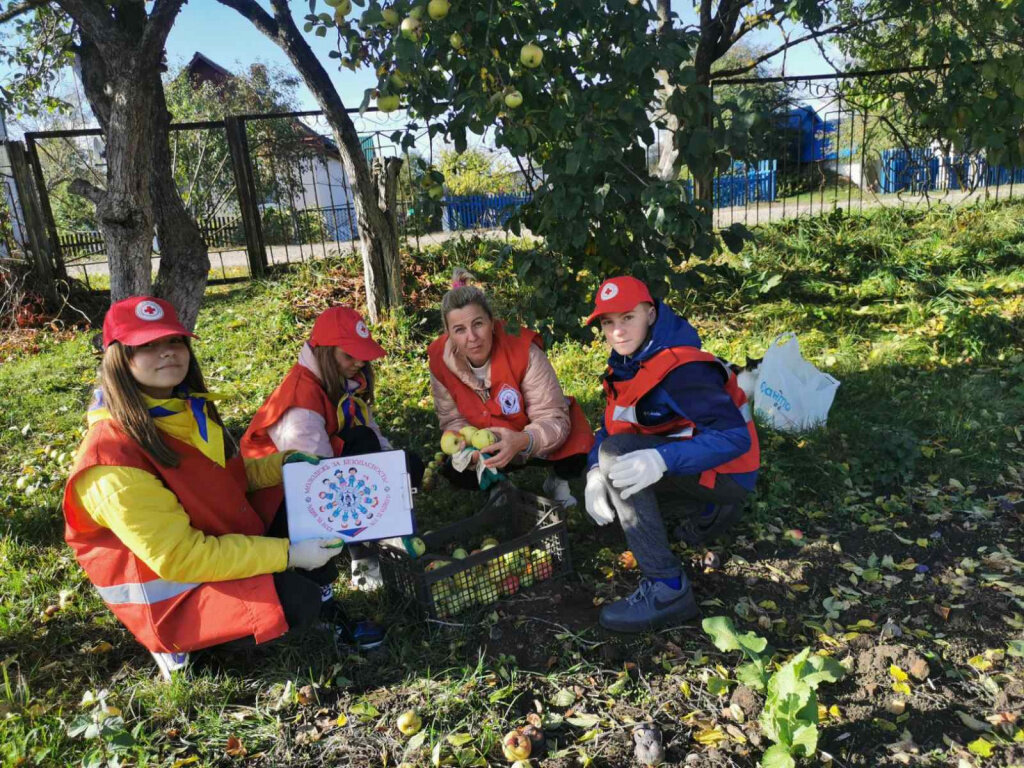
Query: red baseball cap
140	320
344	327
619	294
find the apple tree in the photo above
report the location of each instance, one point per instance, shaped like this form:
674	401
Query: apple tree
566	88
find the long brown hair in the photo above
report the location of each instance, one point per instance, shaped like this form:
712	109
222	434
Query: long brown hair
464	292
332	380
124	399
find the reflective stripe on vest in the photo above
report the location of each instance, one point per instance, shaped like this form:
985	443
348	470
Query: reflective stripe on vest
143	592
627	413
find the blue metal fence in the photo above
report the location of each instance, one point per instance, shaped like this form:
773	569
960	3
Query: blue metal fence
746	184
479	211
922	170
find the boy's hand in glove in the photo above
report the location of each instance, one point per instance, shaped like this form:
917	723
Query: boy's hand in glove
312	553
634	471
599	506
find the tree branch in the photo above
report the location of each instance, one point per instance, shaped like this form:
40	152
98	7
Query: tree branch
723	73
158	26
93	16
258	17
19	8
88	190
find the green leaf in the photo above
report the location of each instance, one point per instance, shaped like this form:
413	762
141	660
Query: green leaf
752	675
805	740
1015	647
723	634
718	685
583	720
777	756
564	698
981	747
458	739
826	670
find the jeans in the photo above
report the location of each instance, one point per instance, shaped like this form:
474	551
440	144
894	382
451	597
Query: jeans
640	515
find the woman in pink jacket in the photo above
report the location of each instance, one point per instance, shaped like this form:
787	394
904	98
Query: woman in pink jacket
486	376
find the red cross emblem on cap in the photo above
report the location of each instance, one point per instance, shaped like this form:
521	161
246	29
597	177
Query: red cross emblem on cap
149	310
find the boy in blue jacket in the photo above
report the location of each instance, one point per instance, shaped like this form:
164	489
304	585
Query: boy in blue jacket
677	434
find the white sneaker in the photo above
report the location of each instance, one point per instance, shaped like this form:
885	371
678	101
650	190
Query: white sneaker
366	574
557	489
169	663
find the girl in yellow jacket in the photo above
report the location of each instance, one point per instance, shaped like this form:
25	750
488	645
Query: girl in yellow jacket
156	506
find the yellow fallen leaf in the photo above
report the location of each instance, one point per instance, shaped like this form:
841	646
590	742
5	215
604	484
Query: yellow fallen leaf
897	673
709	736
186	761
342	720
101	647
901	688
685	688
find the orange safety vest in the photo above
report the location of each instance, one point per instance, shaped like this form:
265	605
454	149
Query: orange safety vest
170	616
510	356
300	389
623	396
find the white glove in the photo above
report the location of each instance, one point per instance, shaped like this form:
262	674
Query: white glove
599	506
312	553
632	472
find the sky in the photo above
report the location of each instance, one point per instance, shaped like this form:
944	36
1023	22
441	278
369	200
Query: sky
223	36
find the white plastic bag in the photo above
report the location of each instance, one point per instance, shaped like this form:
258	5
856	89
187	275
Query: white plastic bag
792	395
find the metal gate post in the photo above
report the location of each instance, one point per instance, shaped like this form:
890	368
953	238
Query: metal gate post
245	183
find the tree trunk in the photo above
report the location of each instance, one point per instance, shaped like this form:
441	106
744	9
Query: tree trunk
184	260
119	59
124	210
374	193
667	169
378	239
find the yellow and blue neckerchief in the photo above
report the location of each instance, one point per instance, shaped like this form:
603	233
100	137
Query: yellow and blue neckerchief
353	411
183	417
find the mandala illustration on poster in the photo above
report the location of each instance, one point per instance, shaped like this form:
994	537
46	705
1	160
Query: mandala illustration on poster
348	500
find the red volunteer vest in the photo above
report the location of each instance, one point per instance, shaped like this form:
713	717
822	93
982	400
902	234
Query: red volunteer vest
623	396
300	389
169	616
510	356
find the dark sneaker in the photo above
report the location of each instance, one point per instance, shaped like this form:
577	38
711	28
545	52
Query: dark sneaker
653	605
169	663
711	522
364	635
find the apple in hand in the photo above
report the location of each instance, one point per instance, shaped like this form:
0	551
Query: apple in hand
451	442
483	438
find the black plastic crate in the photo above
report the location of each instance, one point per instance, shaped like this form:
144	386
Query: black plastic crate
533	546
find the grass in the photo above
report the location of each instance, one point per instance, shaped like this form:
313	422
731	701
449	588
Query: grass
919	315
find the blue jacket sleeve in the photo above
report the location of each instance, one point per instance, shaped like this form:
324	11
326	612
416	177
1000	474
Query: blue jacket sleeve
695	391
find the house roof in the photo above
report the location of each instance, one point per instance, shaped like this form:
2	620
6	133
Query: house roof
201	69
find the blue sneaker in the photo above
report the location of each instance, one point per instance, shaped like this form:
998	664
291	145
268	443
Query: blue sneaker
653	605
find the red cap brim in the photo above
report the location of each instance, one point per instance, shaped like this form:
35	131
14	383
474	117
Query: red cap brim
152	332
363	349
618	304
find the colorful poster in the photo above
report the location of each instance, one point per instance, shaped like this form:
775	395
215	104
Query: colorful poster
354	498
